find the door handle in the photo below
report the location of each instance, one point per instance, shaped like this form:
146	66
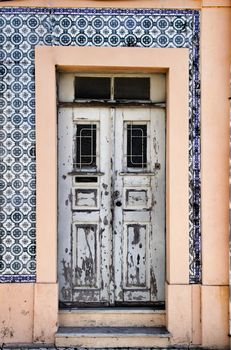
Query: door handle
118	203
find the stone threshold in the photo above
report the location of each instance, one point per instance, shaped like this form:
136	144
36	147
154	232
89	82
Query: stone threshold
52	347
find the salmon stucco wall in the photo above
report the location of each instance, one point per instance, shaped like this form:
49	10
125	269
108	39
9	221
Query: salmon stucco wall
215	67
17	313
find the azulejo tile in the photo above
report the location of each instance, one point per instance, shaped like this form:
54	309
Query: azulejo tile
21	29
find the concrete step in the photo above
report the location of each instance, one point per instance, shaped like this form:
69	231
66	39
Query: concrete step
109	337
117	317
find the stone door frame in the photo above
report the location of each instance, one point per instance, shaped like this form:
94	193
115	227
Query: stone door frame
105	59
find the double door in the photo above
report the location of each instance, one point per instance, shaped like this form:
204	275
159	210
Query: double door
111	206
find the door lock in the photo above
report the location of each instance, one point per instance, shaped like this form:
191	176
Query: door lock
118	203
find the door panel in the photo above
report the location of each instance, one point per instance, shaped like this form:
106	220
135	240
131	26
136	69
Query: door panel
84	206
85	255
140	225
136	243
111	206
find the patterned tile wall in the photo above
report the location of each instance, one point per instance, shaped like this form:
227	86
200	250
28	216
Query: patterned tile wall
21	29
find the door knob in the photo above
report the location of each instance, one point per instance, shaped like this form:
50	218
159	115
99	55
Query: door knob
118	203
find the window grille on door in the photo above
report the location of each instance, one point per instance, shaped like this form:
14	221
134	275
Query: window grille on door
136	146
86	146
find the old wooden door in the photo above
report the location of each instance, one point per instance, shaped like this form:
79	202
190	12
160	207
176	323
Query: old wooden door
111	211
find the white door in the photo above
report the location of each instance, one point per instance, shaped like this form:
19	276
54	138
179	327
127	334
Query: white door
111	211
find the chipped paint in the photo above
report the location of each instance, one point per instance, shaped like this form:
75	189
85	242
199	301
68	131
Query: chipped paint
5	331
136	247
66	293
105	186
105	221
153	283
85	198
109	248
85	263
67	272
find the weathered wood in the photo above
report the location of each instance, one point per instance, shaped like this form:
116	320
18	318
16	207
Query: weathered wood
85	198
85	249
136	249
108	103
65	134
157	242
136	264
112	229
117	195
86	229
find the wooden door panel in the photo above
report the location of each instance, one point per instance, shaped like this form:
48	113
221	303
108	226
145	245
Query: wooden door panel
85	198
65	133
86	263
136	260
111	206
84	206
136	198
138	265
158	217
85	255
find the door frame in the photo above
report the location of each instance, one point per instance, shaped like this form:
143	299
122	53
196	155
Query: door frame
92	59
